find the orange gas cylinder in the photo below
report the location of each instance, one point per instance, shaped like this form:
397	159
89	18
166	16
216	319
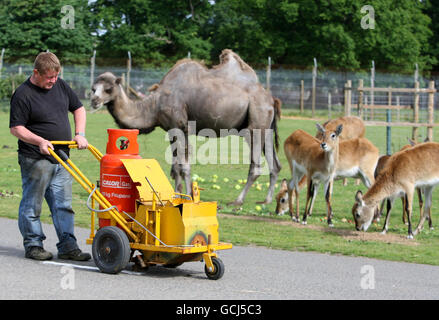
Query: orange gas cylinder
115	182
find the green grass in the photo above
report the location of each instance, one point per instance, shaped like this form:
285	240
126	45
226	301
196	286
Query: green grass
279	234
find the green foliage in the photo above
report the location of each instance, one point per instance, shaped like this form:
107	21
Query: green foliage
291	32
9	84
151	30
31	26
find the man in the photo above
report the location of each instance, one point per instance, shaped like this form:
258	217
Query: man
39	114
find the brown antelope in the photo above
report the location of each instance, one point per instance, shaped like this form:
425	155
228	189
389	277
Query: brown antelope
382	161
357	159
317	160
353	127
406	170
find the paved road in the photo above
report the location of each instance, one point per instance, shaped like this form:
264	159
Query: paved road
251	273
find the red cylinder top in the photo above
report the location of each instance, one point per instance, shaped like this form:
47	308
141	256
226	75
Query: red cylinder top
122	141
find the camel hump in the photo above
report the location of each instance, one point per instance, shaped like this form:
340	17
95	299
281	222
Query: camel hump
227	55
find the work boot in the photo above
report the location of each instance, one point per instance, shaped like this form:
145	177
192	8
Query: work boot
38	253
76	255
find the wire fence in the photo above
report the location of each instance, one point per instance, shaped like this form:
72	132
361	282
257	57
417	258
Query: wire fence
293	87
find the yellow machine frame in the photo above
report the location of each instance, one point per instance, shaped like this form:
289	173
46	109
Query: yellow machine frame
166	226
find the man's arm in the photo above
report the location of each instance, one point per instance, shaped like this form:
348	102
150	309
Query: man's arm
79	116
27	136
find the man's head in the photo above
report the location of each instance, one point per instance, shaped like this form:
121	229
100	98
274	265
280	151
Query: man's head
46	70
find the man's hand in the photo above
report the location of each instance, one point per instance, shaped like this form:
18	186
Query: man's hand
44	146
22	133
81	141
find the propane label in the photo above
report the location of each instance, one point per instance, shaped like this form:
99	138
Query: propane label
116	181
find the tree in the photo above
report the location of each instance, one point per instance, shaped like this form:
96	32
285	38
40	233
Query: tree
433	48
153	31
31	26
294	31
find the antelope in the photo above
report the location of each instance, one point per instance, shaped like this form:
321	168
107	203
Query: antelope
357	159
416	167
353	127
317	160
382	161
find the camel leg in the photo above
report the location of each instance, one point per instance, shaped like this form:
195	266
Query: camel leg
175	175
180	169
254	141
185	166
175	138
274	166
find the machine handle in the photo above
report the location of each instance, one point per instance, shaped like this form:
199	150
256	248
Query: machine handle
62	155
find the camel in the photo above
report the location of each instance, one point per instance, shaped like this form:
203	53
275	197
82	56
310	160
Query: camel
228	96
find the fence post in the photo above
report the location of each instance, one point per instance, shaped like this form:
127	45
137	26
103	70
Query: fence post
416	112
348	95
389	133
360	98
1	61
416	75
329	105
302	94
314	76
389	128
128	72
372	85
268	74
92	68
430	110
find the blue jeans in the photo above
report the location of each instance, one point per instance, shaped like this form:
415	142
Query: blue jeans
41	178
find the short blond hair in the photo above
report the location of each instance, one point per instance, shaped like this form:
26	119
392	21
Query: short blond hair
47	61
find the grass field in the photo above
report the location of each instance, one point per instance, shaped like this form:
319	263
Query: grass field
248	225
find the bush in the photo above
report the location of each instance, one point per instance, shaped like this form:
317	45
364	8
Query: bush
9	84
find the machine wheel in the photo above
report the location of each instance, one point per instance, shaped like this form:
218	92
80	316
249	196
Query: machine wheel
218	271
111	249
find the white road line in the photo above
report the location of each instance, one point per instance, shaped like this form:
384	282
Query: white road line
88	267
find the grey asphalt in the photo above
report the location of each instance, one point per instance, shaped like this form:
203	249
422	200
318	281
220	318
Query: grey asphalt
252	273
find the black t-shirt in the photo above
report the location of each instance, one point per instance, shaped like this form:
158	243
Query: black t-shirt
43	112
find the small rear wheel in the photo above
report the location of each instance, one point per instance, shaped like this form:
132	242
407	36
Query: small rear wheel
218	269
111	250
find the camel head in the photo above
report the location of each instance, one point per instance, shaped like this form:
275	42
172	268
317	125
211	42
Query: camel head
105	89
